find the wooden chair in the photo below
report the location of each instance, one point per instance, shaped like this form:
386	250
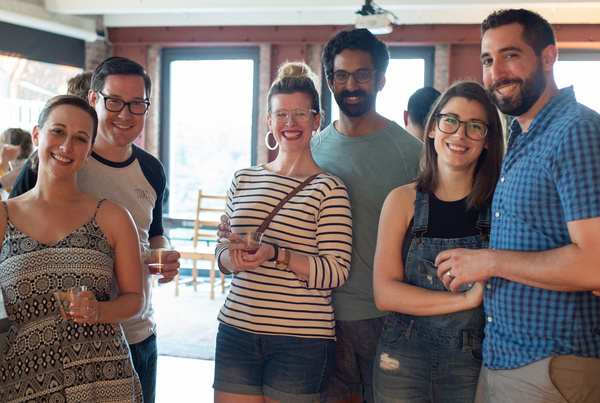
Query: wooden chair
208	212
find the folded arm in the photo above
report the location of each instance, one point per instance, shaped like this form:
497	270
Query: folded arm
391	292
573	267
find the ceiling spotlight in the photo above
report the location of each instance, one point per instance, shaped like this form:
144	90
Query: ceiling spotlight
374	18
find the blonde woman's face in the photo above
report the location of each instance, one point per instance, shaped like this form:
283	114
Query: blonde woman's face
292	121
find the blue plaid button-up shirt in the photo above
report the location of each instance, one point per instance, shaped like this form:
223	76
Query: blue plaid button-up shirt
550	176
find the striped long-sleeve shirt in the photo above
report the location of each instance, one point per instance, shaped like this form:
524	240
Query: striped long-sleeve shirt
316	222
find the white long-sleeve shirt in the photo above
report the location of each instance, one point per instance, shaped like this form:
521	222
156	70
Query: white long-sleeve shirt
316	222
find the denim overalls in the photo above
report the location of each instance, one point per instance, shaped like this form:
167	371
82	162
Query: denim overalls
431	358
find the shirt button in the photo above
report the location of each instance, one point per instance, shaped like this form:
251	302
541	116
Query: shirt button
489	319
502	179
489	286
497	214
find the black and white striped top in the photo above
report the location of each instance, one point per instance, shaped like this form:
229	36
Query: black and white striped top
316	222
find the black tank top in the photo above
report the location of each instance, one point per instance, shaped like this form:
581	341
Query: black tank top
446	220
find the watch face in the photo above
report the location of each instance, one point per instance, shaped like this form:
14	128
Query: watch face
283	265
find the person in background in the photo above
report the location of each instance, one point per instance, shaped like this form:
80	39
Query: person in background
58	236
80	84
19	138
276	334
541	338
17	146
415	115
123	173
430	348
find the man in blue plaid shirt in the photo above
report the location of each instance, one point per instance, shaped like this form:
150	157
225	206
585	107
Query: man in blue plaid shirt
543	321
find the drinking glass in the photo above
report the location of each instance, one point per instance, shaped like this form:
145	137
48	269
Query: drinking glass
251	241
64	298
157	259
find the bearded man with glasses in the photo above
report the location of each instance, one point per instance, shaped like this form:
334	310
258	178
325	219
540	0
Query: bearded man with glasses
372	155
125	174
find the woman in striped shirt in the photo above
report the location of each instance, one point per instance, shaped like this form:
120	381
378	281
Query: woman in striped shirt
277	330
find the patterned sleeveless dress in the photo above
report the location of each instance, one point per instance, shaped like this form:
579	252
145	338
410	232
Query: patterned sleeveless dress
49	359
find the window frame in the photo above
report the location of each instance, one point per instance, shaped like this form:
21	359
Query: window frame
170	55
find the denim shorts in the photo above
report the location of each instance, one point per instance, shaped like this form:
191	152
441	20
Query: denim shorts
282	368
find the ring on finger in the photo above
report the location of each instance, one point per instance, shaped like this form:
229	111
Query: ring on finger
449	274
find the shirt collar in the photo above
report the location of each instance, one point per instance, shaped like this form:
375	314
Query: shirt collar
564	96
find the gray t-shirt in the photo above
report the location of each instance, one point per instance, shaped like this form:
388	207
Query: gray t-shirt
371	166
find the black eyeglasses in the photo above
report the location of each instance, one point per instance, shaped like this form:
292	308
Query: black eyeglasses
450	124
361	76
117	105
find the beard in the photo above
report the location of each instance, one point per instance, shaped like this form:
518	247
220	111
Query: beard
355	110
530	90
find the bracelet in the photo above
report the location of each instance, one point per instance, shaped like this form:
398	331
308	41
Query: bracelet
274	258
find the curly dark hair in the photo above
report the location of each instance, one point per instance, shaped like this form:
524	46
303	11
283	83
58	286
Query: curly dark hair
356	39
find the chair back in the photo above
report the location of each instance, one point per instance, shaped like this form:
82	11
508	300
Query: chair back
208	216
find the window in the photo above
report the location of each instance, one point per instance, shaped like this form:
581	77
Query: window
579	69
209	120
25	86
409	69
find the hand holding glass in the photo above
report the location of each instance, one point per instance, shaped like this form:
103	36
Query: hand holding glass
65	297
157	258
250	240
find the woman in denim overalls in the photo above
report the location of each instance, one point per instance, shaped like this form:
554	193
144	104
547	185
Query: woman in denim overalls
430	347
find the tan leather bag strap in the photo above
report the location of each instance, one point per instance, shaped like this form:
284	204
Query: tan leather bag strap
267	220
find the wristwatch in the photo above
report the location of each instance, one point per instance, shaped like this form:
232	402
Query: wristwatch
283	264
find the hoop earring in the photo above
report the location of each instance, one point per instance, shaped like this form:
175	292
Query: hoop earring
267	141
315	134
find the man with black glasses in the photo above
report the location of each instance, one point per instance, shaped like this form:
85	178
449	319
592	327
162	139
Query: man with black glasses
372	155
123	173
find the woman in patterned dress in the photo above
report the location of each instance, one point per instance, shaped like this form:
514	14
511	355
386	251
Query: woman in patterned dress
55	237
